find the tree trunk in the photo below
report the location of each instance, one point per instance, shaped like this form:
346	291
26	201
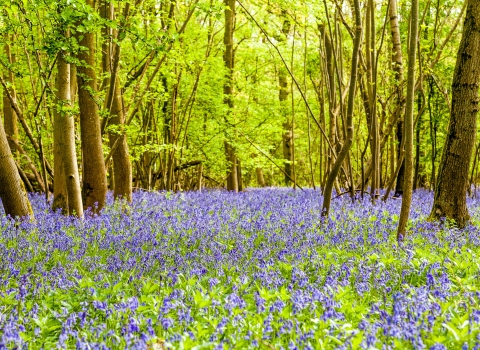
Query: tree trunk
232	179
60	194
287	137
239	175
416	176
329	77
10	117
122	167
199	177
372	92
349	117
408	127
260	179
94	189
12	190
452	181
397	65
64	130
401	172
287	129
433	134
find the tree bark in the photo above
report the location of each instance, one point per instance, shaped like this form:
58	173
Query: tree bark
408	127
94	189
12	190
452	181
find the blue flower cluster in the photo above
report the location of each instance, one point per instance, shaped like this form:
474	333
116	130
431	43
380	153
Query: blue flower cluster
258	269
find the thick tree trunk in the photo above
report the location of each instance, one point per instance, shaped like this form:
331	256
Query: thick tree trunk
408	182
94	189
12	190
232	179
452	181
64	130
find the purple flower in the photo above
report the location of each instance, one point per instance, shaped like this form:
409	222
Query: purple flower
167	323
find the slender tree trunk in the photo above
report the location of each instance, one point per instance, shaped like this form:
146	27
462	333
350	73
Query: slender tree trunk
287	129
433	134
397	65
349	117
10	117
12	190
239	175
371	88
417	145
94	189
228	57
287	138
329	77
199	177
401	172
408	183
452	182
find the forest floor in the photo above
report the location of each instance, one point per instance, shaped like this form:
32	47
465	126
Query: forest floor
258	269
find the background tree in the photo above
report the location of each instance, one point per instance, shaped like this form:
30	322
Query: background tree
166	94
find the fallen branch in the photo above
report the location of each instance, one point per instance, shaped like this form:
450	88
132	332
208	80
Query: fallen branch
187	165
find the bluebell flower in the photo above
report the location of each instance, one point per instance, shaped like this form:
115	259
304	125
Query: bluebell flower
167	323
